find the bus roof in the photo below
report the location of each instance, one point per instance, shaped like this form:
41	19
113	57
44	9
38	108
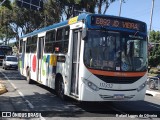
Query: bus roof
80	17
66	22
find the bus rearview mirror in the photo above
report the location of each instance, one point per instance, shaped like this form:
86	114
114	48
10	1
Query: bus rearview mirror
84	34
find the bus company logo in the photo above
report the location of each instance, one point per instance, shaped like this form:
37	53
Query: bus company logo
21	115
6	114
73	20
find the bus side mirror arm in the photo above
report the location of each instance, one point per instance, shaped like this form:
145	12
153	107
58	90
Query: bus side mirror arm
84	34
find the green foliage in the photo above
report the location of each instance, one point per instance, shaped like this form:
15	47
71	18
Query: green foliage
51	14
69	6
15	19
153	71
27	20
154	54
6	4
154	36
106	4
6	31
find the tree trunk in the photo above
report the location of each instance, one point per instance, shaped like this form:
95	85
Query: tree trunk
99	7
106	7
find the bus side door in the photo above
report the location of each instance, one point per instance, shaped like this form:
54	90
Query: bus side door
75	61
39	57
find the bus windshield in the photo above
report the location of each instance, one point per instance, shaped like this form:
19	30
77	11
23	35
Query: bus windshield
115	51
7	50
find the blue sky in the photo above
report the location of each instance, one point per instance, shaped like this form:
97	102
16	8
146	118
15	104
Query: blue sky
138	9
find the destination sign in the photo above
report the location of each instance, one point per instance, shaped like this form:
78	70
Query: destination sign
117	22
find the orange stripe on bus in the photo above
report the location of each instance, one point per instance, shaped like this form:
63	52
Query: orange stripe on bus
117	74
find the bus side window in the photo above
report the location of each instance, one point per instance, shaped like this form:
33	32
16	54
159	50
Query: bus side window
66	39
50	42
28	45
33	45
62	40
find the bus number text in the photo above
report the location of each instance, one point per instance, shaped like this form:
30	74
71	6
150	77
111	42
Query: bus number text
106	85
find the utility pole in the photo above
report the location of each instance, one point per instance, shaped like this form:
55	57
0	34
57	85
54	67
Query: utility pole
120	7
150	26
2	2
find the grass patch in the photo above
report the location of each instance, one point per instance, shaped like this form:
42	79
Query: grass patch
153	71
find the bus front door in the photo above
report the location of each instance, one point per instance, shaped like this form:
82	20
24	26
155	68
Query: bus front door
39	57
75	62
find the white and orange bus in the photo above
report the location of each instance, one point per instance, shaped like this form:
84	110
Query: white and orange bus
89	57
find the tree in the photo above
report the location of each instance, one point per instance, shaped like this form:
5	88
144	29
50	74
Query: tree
68	6
7	4
88	5
26	20
152	36
6	32
105	3
29	20
154	55
52	13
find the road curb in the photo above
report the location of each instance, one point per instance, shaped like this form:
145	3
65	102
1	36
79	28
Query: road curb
2	89
153	93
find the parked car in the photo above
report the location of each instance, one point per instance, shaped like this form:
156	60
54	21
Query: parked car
158	76
10	62
2	55
153	82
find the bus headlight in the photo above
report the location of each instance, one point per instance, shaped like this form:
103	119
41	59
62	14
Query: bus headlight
7	64
141	86
90	84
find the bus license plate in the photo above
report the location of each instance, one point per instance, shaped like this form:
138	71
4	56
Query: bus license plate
118	96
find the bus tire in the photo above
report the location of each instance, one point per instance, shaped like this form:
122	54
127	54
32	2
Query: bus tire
60	88
5	68
28	77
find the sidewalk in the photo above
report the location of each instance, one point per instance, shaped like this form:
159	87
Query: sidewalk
154	93
2	88
10	100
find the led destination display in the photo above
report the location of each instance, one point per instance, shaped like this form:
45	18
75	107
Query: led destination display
117	22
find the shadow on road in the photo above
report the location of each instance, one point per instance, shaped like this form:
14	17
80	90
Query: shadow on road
50	105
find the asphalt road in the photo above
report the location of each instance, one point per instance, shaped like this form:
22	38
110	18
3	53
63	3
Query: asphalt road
36	98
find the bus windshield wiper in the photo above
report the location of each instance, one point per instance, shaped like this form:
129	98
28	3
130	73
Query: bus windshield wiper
136	33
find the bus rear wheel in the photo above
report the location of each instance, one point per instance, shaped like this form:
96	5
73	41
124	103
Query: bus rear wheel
60	88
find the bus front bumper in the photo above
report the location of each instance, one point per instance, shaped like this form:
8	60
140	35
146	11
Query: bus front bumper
88	94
